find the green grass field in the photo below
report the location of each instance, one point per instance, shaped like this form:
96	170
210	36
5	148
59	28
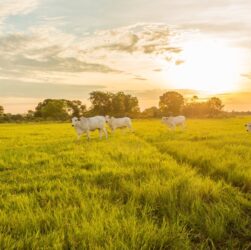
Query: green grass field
151	189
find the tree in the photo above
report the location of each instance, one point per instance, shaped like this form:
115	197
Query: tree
119	104
132	105
1	110
124	104
59	109
152	112
76	108
215	106
30	115
52	109
101	102
171	103
211	107
196	109
194	99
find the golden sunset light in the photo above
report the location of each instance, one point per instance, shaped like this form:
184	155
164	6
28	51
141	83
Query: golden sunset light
187	46
125	124
208	66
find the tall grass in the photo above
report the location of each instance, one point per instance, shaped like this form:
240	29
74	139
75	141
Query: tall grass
126	192
217	148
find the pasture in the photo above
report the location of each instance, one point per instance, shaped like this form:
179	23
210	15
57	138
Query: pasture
151	189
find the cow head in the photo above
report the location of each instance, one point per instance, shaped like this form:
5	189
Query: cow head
164	119
74	121
107	118
248	126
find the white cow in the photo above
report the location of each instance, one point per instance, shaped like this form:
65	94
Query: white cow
85	125
174	121
114	123
248	126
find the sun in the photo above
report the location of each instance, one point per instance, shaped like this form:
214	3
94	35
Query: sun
206	65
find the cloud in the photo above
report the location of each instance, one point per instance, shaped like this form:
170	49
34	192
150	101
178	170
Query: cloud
140	78
225	26
237	33
248	75
239	101
56	64
129	43
12	8
44	49
179	62
35	52
142	38
44	90
54	21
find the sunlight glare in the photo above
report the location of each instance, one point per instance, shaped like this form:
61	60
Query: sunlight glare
209	66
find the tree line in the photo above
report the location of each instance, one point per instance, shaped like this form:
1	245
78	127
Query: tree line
118	104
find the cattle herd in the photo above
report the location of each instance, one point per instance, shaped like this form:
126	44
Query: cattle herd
85	125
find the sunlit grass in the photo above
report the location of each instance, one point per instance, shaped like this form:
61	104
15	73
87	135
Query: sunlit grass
145	190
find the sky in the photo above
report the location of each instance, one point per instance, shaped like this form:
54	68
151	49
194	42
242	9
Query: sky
66	49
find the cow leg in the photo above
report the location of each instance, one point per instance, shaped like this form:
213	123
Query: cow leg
131	128
100	133
105	131
88	135
78	138
170	127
